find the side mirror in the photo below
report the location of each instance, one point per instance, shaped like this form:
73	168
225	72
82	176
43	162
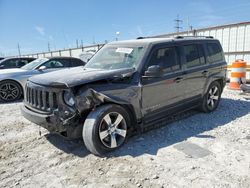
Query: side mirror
42	68
154	71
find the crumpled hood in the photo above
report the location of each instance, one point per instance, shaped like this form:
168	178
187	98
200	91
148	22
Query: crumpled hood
76	76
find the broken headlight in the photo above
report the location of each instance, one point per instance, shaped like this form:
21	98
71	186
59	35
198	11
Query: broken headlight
68	98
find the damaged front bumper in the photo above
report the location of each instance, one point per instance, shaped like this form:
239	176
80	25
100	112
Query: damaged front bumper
53	122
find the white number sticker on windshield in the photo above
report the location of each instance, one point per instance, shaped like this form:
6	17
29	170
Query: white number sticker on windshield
124	50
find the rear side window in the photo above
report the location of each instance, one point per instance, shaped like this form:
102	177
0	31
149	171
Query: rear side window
194	55
166	58
22	62
77	62
215	53
29	60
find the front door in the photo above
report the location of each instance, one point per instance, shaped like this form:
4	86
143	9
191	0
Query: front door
161	93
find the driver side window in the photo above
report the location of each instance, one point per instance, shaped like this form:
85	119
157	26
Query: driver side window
53	64
166	58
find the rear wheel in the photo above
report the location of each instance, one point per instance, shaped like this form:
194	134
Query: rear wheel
10	91
105	129
212	98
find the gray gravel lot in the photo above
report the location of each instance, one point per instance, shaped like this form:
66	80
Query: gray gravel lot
197	150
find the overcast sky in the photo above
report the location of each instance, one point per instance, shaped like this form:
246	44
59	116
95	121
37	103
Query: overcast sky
35	23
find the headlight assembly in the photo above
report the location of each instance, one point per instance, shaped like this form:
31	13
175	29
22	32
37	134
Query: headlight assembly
68	98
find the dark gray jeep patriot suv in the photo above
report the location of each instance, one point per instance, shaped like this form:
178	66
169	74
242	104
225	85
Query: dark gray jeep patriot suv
127	85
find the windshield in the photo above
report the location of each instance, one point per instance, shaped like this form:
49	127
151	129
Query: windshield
112	57
34	64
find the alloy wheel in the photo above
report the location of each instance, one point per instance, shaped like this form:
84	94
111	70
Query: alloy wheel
9	91
213	97
113	130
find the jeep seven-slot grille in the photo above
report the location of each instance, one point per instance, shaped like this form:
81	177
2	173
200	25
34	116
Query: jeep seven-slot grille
41	99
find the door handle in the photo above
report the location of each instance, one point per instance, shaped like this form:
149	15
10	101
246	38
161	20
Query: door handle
178	79
205	72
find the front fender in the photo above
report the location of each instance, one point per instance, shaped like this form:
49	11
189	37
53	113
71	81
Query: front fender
89	98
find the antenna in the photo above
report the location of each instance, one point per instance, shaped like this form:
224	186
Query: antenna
177	23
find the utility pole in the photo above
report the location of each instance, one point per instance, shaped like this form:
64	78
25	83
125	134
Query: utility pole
178	21
189	27
48	47
77	43
19	51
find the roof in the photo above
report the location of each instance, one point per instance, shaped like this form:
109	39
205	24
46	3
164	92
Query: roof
60	57
144	41
7	58
156	40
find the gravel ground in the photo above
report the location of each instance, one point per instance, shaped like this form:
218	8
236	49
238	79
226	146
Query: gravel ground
197	150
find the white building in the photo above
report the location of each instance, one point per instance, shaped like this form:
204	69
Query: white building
235	40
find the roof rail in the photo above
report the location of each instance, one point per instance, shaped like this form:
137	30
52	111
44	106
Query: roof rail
141	37
181	37
176	37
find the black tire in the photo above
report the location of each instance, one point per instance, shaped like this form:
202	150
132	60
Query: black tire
100	136
10	91
212	97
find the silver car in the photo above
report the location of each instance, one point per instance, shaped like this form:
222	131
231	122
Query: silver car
12	81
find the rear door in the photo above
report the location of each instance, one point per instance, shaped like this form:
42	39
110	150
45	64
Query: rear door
160	94
196	70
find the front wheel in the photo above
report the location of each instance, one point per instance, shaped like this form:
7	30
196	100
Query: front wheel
105	129
212	98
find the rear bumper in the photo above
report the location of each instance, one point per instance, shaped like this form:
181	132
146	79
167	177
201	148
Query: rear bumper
48	121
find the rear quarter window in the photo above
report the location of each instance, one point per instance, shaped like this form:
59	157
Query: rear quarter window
215	52
77	62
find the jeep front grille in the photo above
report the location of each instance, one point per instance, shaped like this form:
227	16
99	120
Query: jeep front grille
41	99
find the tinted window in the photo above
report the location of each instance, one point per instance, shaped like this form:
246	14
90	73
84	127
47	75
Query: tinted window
166	58
77	62
29	60
10	63
214	52
194	55
22	62
60	63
